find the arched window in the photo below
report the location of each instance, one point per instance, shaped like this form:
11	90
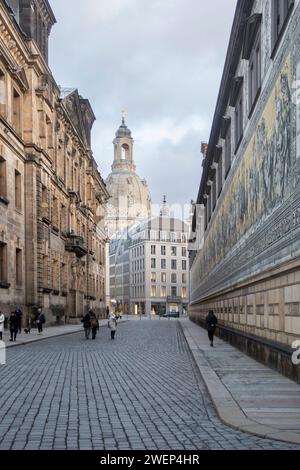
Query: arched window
125	152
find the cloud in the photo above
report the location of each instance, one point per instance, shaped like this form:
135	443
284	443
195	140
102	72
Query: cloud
161	61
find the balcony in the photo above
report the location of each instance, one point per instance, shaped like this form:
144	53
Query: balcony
75	244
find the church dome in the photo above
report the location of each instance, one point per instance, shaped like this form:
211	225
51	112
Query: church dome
123	131
130	200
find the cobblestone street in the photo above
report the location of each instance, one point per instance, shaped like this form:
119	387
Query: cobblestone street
142	391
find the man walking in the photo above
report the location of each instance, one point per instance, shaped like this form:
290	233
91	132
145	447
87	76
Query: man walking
19	315
94	324
13	326
211	322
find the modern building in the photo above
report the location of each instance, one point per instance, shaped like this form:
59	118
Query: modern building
130	200
52	197
149	267
248	270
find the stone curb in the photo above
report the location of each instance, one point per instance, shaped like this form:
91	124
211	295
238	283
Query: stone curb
227	408
43	338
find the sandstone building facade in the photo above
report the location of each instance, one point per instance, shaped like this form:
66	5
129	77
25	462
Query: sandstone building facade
248	270
52	197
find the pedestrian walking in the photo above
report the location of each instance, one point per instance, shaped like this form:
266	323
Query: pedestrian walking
41	320
19	315
2	320
112	324
86	320
13	326
211	322
94	324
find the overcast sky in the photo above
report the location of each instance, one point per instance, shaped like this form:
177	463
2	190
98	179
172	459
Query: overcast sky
161	61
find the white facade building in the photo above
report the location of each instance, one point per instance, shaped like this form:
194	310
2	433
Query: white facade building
149	267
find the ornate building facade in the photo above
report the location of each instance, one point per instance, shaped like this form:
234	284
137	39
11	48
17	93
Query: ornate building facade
52	197
130	200
248	270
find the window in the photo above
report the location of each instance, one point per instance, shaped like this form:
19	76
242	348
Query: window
255	71
16	111
63	219
3	262
227	148
45	205
184	278
174	278
238	113
214	193
2	94
163	236
173	237
220	175
153	277
163	277
19	267
173	251
163	292
153	250
163	264
153	235
3	181
184	293
54	214
184	252
163	250
55	275
173	264
153	291
184	265
174	291
280	13
18	190
153	263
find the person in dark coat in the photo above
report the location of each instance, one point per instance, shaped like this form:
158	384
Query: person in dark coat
94	324
87	325
41	320
211	322
19	315
13	326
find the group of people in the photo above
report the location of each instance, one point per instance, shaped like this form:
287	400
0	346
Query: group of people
91	324
15	323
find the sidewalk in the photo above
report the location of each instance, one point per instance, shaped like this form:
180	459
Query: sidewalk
247	395
49	332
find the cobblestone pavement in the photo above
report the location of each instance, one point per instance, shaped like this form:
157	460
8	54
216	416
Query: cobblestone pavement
142	391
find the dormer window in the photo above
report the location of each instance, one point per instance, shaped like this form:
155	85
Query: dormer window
237	102
281	10
252	53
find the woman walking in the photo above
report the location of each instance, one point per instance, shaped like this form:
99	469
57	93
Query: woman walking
112	324
2	320
87	325
41	320
211	322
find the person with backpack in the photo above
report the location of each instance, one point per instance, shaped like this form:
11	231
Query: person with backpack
211	322
94	324
41	320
